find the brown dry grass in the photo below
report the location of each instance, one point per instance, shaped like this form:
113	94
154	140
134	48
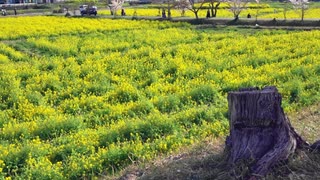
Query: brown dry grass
307	122
207	160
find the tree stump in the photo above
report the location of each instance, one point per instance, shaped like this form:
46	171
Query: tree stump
259	129
316	146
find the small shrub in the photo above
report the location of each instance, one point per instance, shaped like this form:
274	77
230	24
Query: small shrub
141	108
54	128
34	97
168	104
294	89
42	168
124	96
204	94
155	127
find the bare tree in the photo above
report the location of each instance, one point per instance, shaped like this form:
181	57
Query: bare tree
114	6
165	5
286	7
301	4
192	5
170	4
258	9
214	5
236	6
183	7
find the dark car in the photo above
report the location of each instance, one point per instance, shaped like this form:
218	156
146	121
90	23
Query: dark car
84	9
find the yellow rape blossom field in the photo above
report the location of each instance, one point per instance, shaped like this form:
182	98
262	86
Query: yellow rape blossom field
261	10
82	97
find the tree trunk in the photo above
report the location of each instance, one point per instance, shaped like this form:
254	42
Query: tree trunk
212	11
211	4
196	14
236	17
259	130
316	146
216	9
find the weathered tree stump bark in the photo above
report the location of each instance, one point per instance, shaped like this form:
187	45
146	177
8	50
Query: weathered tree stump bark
316	146
259	129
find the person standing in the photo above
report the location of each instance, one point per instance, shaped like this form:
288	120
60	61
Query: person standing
123	13
164	13
208	14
